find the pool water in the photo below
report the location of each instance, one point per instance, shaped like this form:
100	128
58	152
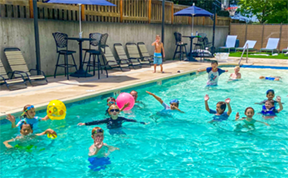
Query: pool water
173	144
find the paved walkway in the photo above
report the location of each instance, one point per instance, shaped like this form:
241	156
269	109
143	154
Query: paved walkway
79	88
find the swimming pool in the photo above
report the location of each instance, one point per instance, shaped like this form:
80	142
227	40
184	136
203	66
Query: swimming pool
181	145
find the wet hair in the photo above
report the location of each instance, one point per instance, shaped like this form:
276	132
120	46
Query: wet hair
237	67
249	108
272	102
113	105
24	123
111	98
214	62
268	91
133	91
96	128
222	105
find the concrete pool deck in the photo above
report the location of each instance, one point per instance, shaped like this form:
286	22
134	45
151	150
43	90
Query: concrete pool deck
77	89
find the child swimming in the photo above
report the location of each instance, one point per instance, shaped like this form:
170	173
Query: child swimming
99	151
114	121
270	95
220	115
29	117
248	121
111	101
213	73
269	110
174	104
275	78
236	74
27	130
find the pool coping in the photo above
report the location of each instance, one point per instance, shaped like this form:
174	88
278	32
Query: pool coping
43	106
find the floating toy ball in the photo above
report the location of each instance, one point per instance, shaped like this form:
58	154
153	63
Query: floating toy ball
51	136
124	98
56	110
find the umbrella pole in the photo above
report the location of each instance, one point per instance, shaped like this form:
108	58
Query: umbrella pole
192	22
80	33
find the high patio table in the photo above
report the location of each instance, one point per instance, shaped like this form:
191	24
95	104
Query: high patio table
191	58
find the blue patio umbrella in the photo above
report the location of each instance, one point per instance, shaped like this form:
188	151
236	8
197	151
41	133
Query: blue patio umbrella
80	2
193	11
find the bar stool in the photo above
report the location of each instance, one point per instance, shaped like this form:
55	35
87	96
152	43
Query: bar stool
96	53
179	43
62	49
93	45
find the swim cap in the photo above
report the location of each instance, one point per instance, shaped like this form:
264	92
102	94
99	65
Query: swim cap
268	91
174	101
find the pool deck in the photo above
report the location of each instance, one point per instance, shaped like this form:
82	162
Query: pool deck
77	89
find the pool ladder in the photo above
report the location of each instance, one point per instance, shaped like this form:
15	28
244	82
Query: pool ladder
245	47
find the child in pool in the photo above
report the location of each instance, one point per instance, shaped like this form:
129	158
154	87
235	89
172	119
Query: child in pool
26	130
111	101
220	115
213	73
270	95
275	78
249	121
99	151
29	117
236	74
174	104
269	110
114	122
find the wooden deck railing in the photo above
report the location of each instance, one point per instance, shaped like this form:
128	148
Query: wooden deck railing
125	11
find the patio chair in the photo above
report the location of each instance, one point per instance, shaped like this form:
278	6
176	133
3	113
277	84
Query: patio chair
133	54
144	52
272	45
5	80
19	66
121	54
284	50
96	52
230	43
62	49
179	44
250	44
93	45
111	61
200	41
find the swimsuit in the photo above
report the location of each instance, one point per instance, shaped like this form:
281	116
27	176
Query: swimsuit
33	122
157	58
98	164
111	124
268	112
213	76
221	117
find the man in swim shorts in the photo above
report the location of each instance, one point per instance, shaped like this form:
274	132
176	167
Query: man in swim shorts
157	53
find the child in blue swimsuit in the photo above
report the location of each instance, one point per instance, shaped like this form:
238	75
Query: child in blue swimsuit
248	121
174	104
274	78
220	115
29	117
270	94
98	152
269	110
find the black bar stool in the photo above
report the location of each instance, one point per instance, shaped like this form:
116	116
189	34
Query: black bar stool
62	49
96	52
179	43
93	45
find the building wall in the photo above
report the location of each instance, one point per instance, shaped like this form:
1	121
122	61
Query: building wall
20	33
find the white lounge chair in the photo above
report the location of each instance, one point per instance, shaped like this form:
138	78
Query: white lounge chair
272	45
250	46
230	43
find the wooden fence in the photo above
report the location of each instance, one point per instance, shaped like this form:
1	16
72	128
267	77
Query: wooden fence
261	33
125	11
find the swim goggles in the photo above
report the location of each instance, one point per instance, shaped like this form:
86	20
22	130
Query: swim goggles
28	108
98	131
111	102
114	110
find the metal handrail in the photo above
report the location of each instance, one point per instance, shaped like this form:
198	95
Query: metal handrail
243	54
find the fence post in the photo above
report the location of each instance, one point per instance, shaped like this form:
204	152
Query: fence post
149	11
216	19
121	11
31	8
246	33
172	13
262	36
203	22
280	36
83	12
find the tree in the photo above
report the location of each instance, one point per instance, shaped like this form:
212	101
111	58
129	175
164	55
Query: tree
267	11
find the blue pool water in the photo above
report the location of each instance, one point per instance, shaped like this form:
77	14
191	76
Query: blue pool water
172	145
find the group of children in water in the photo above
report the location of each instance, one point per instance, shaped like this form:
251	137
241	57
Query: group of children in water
28	121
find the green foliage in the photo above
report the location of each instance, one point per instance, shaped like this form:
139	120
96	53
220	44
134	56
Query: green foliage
267	11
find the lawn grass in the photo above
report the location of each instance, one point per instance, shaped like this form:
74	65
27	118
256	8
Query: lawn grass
238	54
